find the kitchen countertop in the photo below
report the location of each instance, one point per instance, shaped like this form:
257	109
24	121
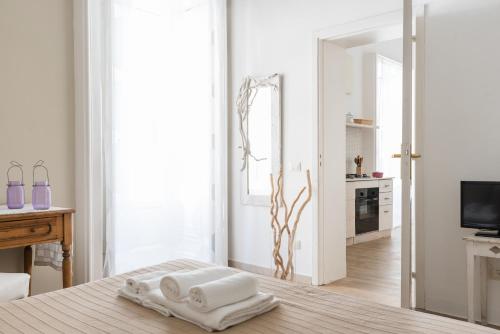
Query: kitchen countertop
369	179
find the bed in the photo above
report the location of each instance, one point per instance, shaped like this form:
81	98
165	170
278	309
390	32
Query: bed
96	308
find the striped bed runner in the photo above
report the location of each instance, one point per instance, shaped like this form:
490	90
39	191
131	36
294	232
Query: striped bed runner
96	308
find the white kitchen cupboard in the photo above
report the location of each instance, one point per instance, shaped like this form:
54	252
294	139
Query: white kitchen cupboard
385	209
385	215
351	217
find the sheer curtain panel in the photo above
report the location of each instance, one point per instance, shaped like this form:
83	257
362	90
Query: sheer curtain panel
163	114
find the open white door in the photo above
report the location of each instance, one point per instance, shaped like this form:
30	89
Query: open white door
406	156
332	97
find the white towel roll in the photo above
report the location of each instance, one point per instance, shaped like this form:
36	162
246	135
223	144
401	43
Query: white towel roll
225	291
147	285
134	285
175	286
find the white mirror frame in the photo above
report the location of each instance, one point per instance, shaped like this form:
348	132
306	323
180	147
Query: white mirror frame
244	101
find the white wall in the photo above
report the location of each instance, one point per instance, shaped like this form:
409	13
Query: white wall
269	36
362	105
461	137
363	65
357	142
36	106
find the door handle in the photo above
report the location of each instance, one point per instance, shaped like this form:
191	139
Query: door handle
413	155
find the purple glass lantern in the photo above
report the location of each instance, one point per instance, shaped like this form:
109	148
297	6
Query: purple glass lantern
15	189
41	195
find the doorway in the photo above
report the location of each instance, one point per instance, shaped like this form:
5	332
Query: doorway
334	97
372	103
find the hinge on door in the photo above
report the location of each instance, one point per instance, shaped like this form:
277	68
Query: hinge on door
414	38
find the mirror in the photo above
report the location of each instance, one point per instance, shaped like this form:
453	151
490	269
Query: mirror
259	111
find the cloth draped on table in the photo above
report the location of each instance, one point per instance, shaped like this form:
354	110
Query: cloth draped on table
49	255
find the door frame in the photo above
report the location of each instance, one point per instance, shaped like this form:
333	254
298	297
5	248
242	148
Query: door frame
406	160
419	13
320	247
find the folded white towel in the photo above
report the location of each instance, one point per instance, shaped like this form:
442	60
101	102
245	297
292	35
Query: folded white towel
228	290
127	293
145	282
149	303
176	285
218	319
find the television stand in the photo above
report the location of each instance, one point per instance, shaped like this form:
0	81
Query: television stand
479	248
488	234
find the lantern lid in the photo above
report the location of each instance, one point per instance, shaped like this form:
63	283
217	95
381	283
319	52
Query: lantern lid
15	183
41	183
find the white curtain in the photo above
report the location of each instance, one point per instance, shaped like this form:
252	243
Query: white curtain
164	127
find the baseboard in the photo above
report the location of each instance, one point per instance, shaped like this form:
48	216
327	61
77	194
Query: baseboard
266	271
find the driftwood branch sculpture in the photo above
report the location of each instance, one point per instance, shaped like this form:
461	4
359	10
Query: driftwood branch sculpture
286	270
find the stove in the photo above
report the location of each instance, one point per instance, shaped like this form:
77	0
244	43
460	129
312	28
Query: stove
355	176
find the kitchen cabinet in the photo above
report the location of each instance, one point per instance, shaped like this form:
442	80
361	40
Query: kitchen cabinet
385	208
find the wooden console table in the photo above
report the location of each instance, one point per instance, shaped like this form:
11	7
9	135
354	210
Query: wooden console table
26	227
482	248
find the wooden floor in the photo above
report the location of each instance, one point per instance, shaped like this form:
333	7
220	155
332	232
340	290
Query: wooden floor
373	271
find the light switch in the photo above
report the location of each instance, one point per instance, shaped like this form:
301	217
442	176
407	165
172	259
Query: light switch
297	167
294	167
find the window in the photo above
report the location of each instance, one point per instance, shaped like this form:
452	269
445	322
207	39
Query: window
161	130
389	121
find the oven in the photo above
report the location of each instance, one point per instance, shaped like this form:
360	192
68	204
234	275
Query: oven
366	210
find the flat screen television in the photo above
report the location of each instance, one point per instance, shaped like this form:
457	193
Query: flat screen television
480	206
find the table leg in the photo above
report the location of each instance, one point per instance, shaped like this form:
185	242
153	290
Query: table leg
66	247
470	282
483	262
28	263
67	266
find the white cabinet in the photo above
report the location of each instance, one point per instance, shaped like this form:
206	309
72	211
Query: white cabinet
350	193
384	198
351	217
385	186
385	217
350	209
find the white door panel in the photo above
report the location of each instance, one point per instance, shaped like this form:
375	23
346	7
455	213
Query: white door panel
333	182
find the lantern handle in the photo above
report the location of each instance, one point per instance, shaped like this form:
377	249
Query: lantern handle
15	164
40	163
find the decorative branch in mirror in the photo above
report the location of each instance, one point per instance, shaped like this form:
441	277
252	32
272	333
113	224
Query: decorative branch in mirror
259	112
